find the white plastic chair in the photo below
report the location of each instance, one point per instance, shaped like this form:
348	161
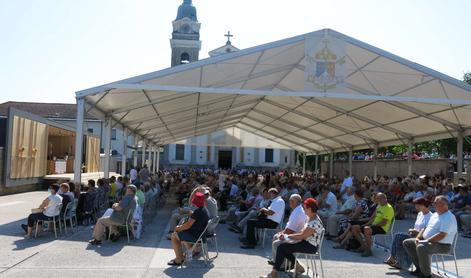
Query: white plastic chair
54	219
67	215
390	233
451	254
310	259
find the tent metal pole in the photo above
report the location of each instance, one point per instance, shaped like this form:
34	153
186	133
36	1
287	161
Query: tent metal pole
154	164
158	159
375	162
79	140
331	165
107	147
317	163
135	151
304	164
350	157
143	154
125	152
409	158
149	150
459	155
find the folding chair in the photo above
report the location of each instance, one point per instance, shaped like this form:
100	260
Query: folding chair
262	232
451	254
310	259
127	224
390	233
202	241
211	235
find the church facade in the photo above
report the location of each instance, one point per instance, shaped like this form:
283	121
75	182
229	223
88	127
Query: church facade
230	148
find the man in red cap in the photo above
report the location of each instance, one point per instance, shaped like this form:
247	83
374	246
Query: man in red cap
191	229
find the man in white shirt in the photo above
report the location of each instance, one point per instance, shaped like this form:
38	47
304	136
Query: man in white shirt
345	210
270	218
436	238
347	183
133	175
328	204
296	222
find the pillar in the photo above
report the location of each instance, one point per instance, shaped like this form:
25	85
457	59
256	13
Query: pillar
331	165
107	147
150	158
154	161
143	153
304	164
409	158
459	155
375	164
350	158
158	159
79	140
135	151
316	163
124	156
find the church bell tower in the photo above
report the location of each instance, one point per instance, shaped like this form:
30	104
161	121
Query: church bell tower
185	41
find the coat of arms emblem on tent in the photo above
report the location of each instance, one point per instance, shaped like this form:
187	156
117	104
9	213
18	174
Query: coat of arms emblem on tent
325	66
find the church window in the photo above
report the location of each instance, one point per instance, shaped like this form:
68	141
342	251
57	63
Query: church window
179	152
269	155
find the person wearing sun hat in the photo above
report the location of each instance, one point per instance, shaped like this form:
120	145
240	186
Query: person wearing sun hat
191	229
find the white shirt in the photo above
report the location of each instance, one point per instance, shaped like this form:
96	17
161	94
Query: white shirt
133	174
332	201
445	222
347	182
297	219
278	207
52	208
422	220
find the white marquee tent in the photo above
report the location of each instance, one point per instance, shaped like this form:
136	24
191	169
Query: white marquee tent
320	92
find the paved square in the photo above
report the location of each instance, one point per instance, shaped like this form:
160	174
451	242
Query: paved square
71	256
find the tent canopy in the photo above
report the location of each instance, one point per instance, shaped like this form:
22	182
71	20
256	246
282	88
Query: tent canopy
316	93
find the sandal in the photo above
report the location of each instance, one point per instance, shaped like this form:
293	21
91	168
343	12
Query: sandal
394	264
174	263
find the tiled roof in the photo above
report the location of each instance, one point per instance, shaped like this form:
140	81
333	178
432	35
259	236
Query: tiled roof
46	110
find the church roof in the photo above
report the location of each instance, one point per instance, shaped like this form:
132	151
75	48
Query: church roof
318	92
46	110
225	49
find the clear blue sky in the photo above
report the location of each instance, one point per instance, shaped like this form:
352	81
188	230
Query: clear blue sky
51	48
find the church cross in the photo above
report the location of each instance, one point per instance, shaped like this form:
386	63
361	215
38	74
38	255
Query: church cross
229	36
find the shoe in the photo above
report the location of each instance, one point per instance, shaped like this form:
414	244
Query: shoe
247	246
115	237
367	253
94	242
24	227
424	276
416	272
235	230
222	221
270	262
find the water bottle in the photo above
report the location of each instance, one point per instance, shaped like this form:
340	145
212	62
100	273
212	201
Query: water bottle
189	255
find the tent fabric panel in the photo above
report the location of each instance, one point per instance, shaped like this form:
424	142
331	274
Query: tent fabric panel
384	113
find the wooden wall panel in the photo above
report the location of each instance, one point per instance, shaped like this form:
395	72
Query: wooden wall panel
92	156
28	149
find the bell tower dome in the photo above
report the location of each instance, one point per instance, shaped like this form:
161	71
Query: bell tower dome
185	41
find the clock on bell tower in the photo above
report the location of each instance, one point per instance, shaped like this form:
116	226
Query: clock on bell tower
185	41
